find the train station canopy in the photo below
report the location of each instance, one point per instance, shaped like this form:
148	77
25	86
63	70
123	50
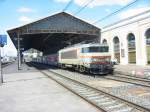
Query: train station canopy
53	33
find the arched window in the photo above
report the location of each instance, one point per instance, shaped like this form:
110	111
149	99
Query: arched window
131	48
116	49
104	41
147	34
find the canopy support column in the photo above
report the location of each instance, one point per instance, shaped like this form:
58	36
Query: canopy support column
19	59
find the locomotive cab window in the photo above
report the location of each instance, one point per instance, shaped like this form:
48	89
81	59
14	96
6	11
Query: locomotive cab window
95	49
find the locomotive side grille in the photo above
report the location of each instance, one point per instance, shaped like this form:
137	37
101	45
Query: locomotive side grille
69	54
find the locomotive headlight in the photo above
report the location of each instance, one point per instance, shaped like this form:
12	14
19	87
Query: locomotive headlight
94	59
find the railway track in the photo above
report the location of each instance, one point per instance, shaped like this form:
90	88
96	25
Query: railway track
129	79
100	99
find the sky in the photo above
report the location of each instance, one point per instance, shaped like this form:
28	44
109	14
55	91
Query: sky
14	13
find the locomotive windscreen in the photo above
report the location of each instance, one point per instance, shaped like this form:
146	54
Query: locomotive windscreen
95	49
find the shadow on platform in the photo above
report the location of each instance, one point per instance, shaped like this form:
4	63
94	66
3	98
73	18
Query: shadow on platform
40	66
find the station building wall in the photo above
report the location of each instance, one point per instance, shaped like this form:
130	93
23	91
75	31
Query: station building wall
138	28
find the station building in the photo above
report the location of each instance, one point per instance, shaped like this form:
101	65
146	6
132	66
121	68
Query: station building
50	34
129	39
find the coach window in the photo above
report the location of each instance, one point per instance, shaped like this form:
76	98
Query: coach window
85	50
148	45
116	49
131	48
104	41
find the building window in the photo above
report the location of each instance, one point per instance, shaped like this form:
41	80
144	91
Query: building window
104	41
116	43
131	48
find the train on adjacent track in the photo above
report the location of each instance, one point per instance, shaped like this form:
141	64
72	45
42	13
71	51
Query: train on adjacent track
91	58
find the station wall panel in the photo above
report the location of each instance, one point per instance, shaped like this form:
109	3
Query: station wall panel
132	57
69	54
117	56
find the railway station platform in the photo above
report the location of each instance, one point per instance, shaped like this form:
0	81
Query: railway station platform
133	70
28	90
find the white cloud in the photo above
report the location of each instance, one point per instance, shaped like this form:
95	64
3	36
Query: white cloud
25	19
25	10
98	2
132	12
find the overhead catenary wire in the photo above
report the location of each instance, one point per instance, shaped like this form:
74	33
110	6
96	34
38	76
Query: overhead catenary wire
67	6
78	11
111	14
139	14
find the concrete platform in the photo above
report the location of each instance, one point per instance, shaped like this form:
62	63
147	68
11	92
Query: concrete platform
33	92
133	70
13	68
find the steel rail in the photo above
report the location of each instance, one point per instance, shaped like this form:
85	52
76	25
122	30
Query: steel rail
129	79
74	92
121	73
138	108
68	88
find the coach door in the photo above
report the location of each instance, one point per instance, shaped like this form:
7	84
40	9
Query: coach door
148	45
131	48
116	49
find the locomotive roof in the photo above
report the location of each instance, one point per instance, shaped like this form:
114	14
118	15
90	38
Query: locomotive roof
83	45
